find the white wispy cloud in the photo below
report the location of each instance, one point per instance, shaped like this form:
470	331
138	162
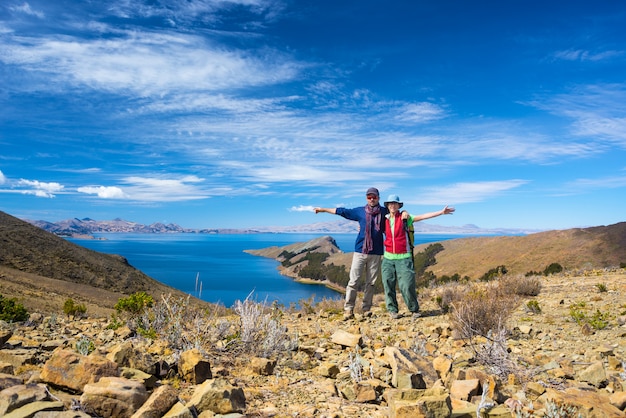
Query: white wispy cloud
584	55
110	192
466	192
26	9
301	208
39	188
587	184
597	112
148	63
420	112
3	178
159	189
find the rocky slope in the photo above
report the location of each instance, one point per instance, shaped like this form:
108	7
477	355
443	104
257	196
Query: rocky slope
366	367
43	270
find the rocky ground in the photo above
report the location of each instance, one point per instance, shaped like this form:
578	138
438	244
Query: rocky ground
365	367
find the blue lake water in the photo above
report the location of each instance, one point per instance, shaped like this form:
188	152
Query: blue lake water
215	268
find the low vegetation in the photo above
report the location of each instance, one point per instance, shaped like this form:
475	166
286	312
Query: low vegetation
11	310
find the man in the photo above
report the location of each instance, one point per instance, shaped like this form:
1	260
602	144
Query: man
397	264
368	249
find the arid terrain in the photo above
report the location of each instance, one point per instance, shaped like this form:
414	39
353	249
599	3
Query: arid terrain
561	347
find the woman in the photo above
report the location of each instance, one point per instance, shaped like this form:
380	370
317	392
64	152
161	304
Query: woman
397	264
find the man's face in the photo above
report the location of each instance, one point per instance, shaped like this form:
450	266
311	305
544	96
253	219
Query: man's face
372	199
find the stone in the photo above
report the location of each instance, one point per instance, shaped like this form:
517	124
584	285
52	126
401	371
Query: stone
8	380
409	371
73	371
17	396
114	397
18	357
618	400
193	367
127	355
594	374
218	396
443	366
5	335
262	366
159	403
328	369
590	404
464	389
36	409
414	403
148	380
346	339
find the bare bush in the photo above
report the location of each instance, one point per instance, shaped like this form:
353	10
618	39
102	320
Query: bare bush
261	333
481	309
494	355
184	326
450	293
522	285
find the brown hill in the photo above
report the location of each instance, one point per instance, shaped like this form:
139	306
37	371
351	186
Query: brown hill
574	249
41	268
578	248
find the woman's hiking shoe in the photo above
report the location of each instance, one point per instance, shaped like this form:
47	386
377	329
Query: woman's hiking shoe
417	315
394	315
348	315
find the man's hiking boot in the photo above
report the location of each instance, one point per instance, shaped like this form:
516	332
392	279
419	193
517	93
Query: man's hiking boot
348	314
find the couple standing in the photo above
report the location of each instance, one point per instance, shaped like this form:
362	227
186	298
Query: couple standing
383	231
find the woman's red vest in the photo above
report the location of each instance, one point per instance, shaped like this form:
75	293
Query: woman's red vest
396	239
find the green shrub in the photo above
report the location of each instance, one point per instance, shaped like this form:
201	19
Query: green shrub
599	320
601	287
552	269
11	310
494	273
70	308
424	259
576	311
533	306
135	304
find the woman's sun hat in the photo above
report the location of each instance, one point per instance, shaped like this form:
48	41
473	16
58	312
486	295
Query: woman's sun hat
394	198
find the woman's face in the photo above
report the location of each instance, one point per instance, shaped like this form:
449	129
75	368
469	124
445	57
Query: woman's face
393	207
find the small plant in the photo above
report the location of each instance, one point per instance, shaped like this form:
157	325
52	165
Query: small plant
601	287
556	409
133	307
356	366
552	269
134	304
599	320
85	346
577	314
115	323
11	310
533	306
419	346
70	308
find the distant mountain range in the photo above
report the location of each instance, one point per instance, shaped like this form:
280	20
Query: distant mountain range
87	227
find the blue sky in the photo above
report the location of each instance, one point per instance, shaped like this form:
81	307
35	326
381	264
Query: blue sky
249	113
